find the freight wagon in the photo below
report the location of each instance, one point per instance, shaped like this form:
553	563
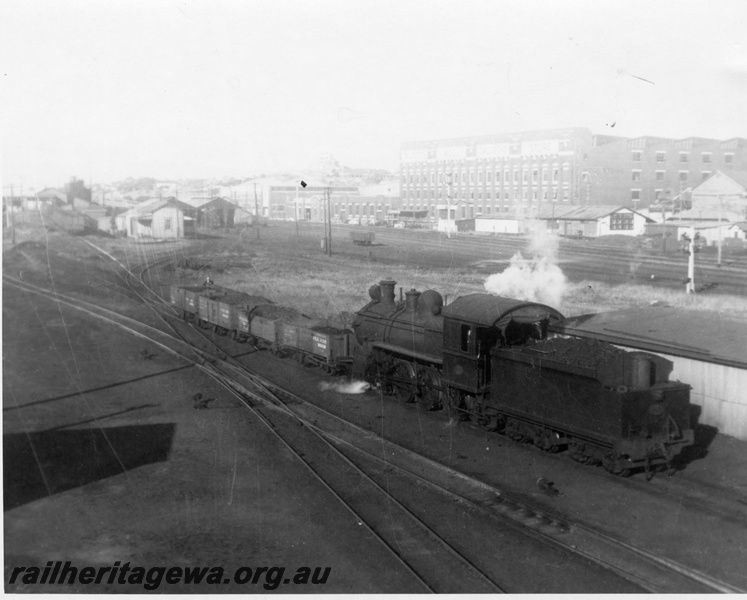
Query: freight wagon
267	326
362	238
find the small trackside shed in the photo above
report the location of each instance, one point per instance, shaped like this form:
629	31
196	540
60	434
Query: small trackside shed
217	213
500	223
157	218
594	221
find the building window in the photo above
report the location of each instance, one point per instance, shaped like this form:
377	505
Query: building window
660	176
636	175
635	194
554	174
636	156
535	174
545	174
621	221
661	156
705	175
728	159
683	175
167	224
525	176
684	157
706	157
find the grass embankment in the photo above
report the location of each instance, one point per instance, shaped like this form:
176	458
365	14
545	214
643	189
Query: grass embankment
328	289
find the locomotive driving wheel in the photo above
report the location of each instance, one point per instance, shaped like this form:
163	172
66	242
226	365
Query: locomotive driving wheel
429	392
403	382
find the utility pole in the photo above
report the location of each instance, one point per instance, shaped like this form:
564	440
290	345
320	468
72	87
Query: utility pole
328	221
720	207
256	211
690	288
10	216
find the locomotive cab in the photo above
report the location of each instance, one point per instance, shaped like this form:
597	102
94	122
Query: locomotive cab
477	323
468	347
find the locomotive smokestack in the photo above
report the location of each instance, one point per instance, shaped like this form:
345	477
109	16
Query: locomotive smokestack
411	300
387	291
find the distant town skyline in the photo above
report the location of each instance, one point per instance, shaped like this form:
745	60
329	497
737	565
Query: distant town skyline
195	89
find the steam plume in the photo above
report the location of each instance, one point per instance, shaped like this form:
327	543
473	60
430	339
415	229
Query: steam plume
536	279
346	387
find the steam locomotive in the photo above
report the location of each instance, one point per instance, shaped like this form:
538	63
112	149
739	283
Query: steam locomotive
489	359
481	357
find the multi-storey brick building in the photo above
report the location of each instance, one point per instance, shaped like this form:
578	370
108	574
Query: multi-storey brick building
495	173
646	170
521	172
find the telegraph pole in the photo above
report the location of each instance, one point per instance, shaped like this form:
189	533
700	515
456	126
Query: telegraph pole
10	216
720	206
690	288
328	220
256	211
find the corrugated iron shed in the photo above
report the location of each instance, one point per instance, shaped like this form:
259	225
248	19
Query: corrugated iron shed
709	353
687	333
584	213
147	208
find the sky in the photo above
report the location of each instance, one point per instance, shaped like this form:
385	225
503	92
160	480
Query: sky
109	89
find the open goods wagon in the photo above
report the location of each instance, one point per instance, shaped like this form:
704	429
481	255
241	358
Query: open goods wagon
362	238
310	341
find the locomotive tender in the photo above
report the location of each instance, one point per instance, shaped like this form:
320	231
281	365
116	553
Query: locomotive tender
488	358
484	358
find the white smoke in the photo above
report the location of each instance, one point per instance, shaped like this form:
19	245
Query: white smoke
346	387
536	279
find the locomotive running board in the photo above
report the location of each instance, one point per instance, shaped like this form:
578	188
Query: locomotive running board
401	351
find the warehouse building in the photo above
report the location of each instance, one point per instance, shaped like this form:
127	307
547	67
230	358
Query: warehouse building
157	218
493	174
572	221
501	173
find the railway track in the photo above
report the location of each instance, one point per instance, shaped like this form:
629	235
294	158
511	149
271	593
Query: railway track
418	544
614	265
422	551
374	461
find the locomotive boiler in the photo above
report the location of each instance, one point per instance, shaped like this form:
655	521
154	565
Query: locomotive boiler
419	349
